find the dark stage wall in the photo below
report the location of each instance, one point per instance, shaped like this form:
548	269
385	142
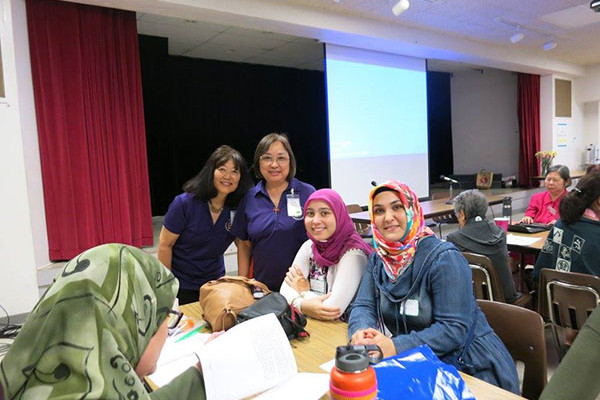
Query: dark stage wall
192	106
439	122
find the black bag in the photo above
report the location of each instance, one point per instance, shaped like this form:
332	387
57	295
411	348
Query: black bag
292	320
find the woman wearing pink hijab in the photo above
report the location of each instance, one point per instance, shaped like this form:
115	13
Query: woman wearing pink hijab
328	268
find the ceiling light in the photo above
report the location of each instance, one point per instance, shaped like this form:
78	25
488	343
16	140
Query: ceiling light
517	37
549	45
400	7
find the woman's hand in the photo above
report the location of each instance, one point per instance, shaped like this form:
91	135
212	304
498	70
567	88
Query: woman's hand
373	336
316	309
552	222
296	280
526	220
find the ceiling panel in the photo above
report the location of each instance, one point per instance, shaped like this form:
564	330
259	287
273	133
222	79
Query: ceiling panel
490	22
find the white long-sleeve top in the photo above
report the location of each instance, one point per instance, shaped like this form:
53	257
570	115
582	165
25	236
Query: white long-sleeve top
342	278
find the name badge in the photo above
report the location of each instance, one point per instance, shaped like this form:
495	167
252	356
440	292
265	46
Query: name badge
552	210
294	209
410	307
318	284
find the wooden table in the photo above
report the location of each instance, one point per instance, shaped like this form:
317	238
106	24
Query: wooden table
533	248
326	336
431	208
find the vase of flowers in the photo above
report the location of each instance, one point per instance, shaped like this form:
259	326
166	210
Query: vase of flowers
546	158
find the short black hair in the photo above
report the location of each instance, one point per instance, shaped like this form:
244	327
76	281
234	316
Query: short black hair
202	185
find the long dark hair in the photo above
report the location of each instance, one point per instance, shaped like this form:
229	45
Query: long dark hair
577	200
202	185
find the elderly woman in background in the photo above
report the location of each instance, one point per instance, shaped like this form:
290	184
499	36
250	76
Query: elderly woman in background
573	244
269	220
97	331
479	235
420	290
543	206
195	231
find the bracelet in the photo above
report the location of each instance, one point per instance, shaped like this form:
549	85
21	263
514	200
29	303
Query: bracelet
293	302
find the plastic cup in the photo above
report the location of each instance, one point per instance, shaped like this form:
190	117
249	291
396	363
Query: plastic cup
502	222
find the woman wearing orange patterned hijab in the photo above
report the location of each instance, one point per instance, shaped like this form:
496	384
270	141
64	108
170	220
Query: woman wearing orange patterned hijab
419	289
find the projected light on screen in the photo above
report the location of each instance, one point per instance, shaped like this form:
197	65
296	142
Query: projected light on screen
377	113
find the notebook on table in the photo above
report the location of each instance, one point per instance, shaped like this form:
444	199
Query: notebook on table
529	228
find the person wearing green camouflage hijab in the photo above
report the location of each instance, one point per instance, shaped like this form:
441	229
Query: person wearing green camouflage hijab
87	334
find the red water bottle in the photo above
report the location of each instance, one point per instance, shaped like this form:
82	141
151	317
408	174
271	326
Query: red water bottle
353	378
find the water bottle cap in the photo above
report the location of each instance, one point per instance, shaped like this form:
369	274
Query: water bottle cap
352	362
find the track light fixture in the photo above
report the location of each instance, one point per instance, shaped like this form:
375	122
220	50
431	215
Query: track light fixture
517	36
400	7
549	45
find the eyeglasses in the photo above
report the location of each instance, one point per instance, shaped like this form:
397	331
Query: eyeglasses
280	160
173	318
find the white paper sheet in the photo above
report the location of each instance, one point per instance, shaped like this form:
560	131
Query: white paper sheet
167	372
521	240
176	357
302	386
328	366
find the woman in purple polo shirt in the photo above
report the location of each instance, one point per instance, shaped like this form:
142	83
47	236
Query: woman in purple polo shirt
195	231
543	207
269	221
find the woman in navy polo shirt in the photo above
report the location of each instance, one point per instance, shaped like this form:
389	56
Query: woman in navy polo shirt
195	231
269	222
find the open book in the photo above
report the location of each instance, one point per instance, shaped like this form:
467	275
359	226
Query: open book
247	359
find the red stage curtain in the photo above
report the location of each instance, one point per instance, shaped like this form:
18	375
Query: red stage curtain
88	99
528	108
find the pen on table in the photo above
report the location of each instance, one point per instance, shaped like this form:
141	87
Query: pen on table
188	324
192	332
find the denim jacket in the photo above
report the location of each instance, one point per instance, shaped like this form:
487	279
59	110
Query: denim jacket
432	303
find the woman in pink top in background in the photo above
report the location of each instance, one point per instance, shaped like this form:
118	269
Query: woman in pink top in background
543	207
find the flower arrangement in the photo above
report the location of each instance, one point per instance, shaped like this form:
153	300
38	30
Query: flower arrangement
546	158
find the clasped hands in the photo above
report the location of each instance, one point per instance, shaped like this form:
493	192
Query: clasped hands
373	336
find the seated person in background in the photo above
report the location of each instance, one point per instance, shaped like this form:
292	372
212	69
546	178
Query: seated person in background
481	236
97	331
420	290
573	244
543	206
327	270
576	377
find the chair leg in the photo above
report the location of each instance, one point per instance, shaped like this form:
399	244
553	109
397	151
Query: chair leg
440	228
559	349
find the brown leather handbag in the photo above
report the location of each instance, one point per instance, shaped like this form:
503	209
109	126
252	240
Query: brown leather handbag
222	300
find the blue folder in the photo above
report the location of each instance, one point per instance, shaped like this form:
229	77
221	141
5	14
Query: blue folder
418	374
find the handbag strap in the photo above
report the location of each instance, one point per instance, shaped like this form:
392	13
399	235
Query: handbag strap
298	328
460	360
